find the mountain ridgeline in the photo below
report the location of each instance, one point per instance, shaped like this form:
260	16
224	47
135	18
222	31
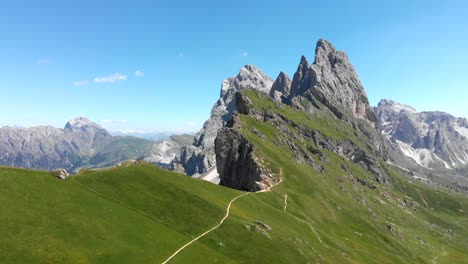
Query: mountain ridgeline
430	146
330	81
81	143
329	86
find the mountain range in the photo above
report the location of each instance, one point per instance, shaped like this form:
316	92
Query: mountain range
80	144
430	146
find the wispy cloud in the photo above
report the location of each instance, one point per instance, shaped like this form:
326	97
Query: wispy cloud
116	77
43	61
81	83
139	73
131	131
244	54
110	121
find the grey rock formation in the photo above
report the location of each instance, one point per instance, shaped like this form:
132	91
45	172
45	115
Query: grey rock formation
164	152
281	88
61	173
435	144
333	81
236	163
199	157
330	84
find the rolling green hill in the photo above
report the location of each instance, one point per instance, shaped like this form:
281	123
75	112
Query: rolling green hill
144	214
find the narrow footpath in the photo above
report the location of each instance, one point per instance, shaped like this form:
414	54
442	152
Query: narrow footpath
205	233
285	202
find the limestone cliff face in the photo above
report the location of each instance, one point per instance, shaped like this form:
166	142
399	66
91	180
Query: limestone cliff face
329	84
333	81
281	88
199	157
236	162
239	168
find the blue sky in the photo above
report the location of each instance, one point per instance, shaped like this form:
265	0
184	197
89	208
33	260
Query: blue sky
62	59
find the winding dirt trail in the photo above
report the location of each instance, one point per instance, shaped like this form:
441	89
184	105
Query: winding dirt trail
270	187
210	230
422	198
312	228
285	202
224	218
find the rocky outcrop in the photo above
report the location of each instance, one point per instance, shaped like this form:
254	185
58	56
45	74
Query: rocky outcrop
199	157
329	84
164	152
61	173
281	88
333	81
240	169
237	164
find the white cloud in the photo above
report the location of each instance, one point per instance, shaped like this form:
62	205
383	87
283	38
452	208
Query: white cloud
81	83
43	61
130	131
110	121
139	73
116	77
244	54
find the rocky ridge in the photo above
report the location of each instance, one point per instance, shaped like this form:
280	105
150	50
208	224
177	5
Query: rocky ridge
200	156
329	85
332	81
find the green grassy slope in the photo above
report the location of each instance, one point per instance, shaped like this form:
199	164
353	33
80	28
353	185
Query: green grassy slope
143	214
136	214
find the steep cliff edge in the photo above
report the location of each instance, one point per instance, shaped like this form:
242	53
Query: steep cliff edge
309	136
333	81
324	108
237	163
200	156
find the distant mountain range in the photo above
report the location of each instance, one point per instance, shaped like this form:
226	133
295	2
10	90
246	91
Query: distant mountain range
153	136
432	146
80	144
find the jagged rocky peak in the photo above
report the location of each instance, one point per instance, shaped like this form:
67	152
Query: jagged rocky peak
281	88
200	157
248	77
301	80
81	123
333	81
395	106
